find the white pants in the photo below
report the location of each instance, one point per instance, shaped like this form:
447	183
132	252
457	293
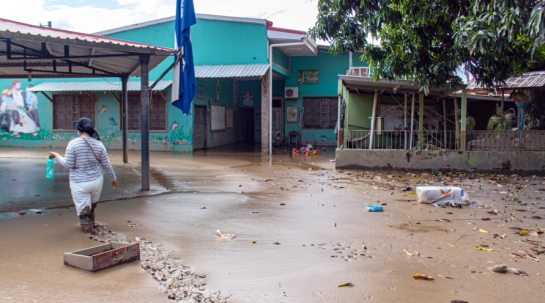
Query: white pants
86	193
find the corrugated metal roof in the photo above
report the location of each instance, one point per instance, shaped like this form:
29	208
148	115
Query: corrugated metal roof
231	71
526	80
23	28
94	86
89	55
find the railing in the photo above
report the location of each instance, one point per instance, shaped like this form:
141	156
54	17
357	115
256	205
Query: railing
477	140
359	72
505	140
401	139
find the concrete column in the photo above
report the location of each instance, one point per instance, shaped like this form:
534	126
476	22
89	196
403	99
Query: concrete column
373	120
266	82
457	121
144	120
463	125
125	117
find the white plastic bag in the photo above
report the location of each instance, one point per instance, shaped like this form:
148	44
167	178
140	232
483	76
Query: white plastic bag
442	195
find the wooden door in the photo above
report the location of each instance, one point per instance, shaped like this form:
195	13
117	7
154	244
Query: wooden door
199	127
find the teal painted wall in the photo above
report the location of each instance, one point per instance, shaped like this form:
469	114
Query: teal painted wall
329	67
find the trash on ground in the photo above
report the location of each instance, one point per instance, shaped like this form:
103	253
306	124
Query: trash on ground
222	235
103	256
442	196
503	269
485	249
422	277
374	208
38	211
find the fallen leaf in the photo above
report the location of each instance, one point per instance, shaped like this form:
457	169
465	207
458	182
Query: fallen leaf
523	232
422	277
485	249
276	243
483	230
443	220
515	255
412	193
535	217
452	245
408	253
346	284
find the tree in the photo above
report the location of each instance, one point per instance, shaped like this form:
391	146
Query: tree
428	40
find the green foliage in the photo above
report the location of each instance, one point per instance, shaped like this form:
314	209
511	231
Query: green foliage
430	39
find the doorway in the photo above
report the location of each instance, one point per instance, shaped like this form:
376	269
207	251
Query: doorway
199	127
246	130
278	117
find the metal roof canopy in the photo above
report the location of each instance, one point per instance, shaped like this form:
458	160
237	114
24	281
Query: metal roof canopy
94	86
39	52
534	79
368	85
239	71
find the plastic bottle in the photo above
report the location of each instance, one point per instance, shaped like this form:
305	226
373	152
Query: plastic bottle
50	171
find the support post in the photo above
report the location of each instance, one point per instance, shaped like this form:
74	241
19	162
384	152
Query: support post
502	100
144	120
421	120
266	104
457	121
412	123
339	106
445	123
125	116
373	118
405	121
463	126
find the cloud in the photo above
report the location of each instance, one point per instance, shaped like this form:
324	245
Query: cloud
293	14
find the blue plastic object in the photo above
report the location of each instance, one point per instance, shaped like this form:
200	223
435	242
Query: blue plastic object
50	171
374	208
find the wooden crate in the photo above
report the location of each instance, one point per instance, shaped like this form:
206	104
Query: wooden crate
103	256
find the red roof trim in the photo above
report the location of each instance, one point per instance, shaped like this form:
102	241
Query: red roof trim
108	39
283	30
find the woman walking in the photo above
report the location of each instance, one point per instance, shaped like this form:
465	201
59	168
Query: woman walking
85	157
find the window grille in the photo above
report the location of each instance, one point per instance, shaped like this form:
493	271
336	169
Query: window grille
69	108
320	112
157	113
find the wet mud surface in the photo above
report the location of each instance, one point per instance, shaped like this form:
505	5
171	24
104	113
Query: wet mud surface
301	229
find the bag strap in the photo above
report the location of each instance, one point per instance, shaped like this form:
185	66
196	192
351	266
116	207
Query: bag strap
91	149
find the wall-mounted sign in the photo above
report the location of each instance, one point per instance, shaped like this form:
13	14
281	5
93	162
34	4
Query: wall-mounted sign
291	114
309	76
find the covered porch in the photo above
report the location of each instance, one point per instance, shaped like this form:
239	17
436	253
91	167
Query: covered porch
391	125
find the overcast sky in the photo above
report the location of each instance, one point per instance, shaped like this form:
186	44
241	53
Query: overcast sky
90	16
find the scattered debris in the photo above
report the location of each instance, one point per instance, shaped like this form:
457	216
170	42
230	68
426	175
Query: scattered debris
423	277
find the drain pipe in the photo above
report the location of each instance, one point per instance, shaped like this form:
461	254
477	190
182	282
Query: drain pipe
271	84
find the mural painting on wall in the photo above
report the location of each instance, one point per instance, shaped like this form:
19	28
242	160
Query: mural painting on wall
19	110
247	97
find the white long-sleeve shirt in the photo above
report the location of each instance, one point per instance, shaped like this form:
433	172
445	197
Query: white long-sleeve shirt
83	164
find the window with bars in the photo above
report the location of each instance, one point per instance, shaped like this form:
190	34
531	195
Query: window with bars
320	112
69	108
157	113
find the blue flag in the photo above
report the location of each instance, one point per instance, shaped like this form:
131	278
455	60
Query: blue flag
183	82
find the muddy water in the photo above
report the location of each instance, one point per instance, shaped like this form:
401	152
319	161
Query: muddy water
320	230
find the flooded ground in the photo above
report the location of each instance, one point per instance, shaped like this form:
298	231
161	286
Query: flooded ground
299	227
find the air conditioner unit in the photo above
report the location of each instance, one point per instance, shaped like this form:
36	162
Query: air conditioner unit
291	92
